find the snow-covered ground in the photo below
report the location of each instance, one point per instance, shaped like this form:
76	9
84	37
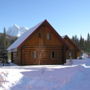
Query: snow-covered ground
47	77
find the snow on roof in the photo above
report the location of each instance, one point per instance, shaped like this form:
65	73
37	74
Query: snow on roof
23	37
63	36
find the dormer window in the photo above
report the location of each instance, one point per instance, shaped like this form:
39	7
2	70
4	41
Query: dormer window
48	36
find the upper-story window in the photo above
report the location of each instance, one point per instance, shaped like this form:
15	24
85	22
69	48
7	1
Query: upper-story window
39	35
48	36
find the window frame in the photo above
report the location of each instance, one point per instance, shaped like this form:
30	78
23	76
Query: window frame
34	54
53	54
39	35
48	36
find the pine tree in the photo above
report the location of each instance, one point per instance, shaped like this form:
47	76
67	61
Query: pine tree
4	39
88	43
82	43
88	37
4	52
75	40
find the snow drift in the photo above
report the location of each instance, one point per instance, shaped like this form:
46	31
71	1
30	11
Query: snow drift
46	77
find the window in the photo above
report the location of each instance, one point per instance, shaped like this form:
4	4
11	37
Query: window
53	54
34	54
48	36
39	35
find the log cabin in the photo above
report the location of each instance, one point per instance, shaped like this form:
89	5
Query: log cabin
73	50
40	45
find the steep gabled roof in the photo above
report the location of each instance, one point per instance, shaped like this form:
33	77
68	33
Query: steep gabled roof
70	41
21	39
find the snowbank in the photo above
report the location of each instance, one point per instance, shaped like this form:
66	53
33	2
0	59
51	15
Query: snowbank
9	78
46	77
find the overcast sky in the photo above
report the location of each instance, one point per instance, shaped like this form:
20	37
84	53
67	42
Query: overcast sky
71	17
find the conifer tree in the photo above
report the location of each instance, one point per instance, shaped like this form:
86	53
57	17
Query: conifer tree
88	43
83	44
88	37
4	52
4	39
75	40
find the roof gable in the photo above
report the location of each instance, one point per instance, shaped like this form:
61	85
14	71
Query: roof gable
22	38
57	34
70	41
